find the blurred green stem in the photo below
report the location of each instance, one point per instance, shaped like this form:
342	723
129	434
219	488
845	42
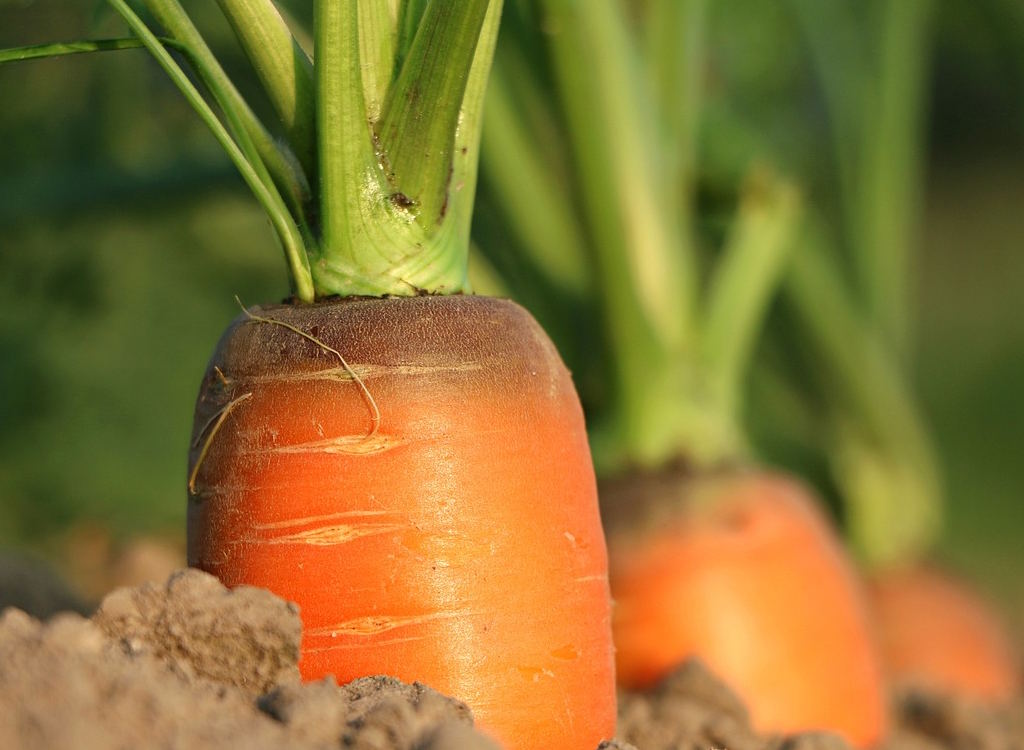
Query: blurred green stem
892	179
535	201
645	266
744	282
883	458
277	160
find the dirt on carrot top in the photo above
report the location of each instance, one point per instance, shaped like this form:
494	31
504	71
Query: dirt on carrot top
189	663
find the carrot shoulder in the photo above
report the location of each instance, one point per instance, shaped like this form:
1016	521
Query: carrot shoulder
457	542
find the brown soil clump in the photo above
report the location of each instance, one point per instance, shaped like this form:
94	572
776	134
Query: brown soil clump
691	709
246	638
192	665
928	721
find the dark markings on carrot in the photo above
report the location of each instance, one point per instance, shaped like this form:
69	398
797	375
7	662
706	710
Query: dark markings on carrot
370	400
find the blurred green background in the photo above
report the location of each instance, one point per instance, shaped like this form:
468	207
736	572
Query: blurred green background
125	236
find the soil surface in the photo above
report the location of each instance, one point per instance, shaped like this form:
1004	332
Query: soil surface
190	664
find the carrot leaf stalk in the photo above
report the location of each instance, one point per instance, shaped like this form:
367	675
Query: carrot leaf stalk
370	190
284	69
882	458
625	238
58	49
243	153
271	155
875	95
749	271
873	80
394	192
648	293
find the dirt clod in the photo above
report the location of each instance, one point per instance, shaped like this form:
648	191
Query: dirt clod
690	709
374	713
932	721
246	637
190	664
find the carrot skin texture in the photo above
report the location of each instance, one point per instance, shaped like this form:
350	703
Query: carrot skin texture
459	545
939	634
743	572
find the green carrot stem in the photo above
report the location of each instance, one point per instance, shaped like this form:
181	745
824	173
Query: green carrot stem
281	165
262	187
645	275
378	239
57	49
890	185
416	131
283	67
745	280
347	161
841	63
528	192
378	43
675	31
410	13
469	131
877	426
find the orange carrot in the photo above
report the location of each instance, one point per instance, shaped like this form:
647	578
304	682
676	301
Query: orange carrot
937	633
457	542
744	573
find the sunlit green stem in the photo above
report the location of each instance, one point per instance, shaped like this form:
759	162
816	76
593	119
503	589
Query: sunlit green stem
675	32
283	67
378	238
645	269
528	192
378	41
57	49
243	157
280	164
417	128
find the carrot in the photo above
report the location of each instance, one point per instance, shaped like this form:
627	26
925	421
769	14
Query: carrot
746	575
456	543
406	462
938	633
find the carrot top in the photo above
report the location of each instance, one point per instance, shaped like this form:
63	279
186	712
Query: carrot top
369	182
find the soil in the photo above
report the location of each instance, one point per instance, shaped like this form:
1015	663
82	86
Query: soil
190	664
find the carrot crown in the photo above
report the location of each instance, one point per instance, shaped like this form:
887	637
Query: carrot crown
369	184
